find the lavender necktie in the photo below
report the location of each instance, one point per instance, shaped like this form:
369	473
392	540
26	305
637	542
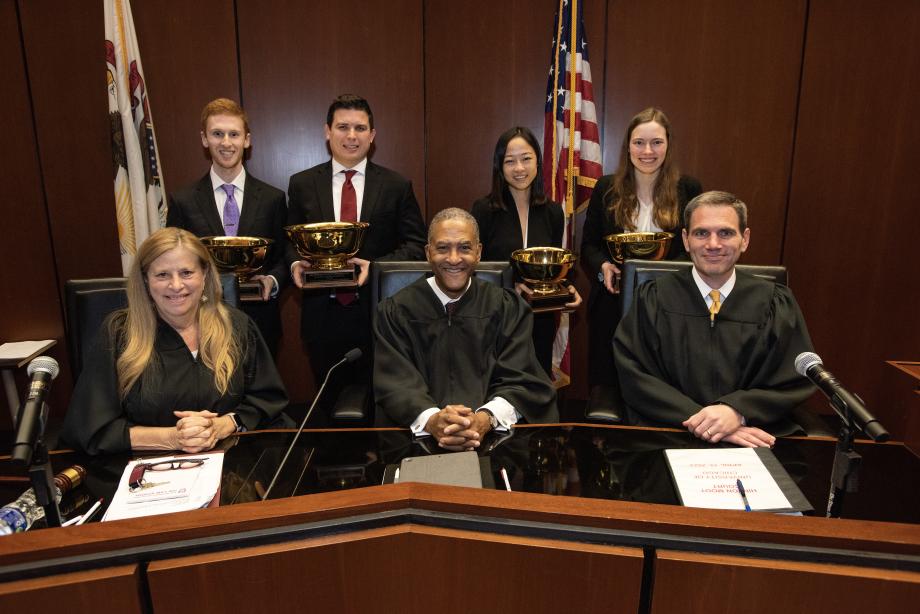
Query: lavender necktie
231	211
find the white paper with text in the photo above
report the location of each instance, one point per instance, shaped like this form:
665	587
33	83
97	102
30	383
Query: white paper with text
167	491
708	478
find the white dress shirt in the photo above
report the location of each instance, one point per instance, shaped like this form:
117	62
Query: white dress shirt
645	217
704	288
338	180
220	197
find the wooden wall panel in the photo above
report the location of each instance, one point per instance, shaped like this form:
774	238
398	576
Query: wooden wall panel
500	83
726	73
710	584
31	308
64	51
854	194
112	589
189	53
405	569
295	57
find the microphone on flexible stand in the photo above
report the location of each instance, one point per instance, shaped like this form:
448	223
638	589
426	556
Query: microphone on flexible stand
853	415
30	421
350	356
847	405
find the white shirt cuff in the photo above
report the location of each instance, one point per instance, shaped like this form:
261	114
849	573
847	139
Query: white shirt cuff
275	287
418	425
503	412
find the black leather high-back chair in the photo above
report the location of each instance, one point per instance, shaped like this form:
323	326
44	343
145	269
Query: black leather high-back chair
90	301
388	278
637	272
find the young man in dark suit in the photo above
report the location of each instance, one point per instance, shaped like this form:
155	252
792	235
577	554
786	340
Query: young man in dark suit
230	201
334	323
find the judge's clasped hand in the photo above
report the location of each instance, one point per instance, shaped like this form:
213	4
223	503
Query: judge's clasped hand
199	431
457	427
715	423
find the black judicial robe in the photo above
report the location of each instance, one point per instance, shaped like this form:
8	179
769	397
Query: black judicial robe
422	359
97	420
671	362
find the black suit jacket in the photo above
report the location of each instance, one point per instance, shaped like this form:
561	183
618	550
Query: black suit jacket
396	231
263	215
500	229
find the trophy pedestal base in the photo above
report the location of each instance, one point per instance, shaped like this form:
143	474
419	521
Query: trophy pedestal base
336	278
250	291
553	301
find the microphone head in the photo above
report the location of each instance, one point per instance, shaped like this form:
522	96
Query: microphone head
353	354
44	363
805	361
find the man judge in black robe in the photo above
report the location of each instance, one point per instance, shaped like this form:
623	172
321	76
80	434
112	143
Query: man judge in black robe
454	356
711	348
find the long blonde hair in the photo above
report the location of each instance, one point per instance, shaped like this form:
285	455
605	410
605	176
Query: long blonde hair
623	203
134	328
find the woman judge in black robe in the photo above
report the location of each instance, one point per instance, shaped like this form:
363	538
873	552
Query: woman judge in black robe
647	193
178	369
517	214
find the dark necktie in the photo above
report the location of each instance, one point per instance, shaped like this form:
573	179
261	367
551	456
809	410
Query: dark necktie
450	308
231	211
348	213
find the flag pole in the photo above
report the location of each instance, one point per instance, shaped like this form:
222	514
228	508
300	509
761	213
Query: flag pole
570	166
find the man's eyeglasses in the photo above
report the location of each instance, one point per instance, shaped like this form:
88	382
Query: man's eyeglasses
136	480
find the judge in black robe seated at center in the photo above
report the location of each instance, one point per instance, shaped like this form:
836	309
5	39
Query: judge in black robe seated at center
453	355
178	369
711	348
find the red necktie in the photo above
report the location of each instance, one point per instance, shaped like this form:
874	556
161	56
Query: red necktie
348	213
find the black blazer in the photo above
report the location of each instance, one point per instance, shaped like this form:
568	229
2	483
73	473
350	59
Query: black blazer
599	223
263	215
389	206
396	231
500	229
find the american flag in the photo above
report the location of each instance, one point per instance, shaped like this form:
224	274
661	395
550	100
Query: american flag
139	203
571	143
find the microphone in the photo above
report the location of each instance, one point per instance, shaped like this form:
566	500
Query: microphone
809	364
350	356
30	421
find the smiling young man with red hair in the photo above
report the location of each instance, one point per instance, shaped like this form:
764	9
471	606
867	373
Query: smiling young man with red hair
230	201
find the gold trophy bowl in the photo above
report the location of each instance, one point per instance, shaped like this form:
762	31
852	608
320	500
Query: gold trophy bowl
641	245
543	268
242	256
328	246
